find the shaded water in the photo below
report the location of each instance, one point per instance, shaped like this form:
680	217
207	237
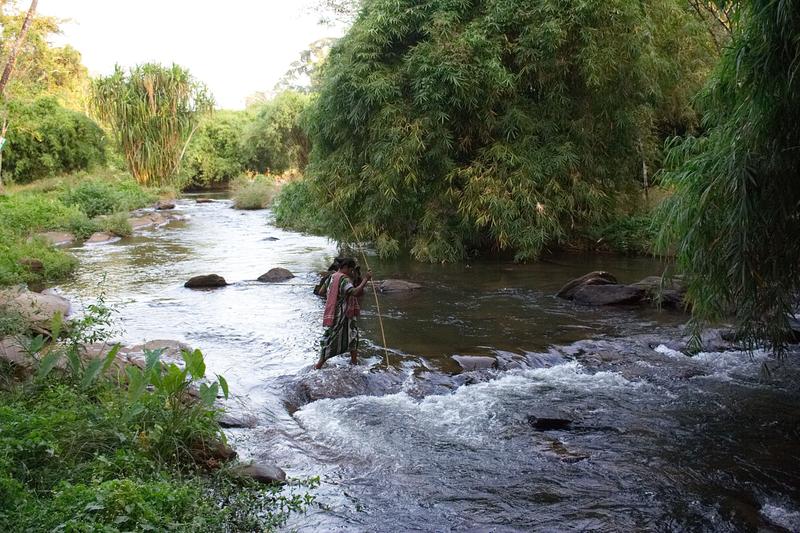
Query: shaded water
660	441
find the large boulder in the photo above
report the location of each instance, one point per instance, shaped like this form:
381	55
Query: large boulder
58	238
207	281
397	285
34	307
668	293
163	205
263	473
275	275
598	277
609	295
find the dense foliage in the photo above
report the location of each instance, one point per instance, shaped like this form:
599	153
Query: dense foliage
734	217
47	139
276	140
152	110
450	125
215	154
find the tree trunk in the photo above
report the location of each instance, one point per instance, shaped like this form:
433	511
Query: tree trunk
12	57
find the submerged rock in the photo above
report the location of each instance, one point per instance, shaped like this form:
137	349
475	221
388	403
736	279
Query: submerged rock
609	295
203	201
58	238
263	473
207	281
598	277
275	275
397	285
549	424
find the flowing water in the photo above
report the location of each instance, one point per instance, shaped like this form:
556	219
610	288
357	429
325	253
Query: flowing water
659	441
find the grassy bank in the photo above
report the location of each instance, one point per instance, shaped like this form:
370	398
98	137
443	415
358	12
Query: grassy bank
80	204
87	446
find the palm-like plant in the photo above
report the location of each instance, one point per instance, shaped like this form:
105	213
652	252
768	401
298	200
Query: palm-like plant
153	111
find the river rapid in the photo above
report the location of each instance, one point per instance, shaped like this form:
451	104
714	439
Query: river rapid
659	441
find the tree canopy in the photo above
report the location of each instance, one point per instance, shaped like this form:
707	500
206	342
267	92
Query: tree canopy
453	125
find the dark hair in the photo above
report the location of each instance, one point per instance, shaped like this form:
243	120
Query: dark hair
347	262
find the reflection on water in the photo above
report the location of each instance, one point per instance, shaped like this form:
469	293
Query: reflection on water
661	442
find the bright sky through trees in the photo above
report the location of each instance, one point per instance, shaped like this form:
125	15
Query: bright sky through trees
237	47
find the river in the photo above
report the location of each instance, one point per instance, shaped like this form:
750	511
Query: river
659	441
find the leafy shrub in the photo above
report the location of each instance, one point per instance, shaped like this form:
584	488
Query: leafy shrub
102	197
251	193
215	154
293	207
26	213
116	224
45	139
631	234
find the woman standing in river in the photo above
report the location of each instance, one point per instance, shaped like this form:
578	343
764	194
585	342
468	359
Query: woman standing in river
341	310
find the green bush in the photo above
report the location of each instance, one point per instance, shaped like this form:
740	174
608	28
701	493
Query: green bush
116	224
627	234
26	213
252	193
293	208
46	139
215	155
57	264
103	197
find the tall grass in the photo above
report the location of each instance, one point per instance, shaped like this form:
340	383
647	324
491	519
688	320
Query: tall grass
252	192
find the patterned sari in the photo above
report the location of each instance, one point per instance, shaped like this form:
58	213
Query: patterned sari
341	334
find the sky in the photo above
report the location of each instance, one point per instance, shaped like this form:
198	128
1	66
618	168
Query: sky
236	47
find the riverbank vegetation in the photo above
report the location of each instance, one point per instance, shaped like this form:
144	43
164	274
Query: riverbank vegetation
79	204
90	443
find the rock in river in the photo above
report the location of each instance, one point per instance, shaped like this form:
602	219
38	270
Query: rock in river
609	295
275	274
397	285
58	238
101	237
475	362
549	424
262	473
33	306
163	205
208	281
598	277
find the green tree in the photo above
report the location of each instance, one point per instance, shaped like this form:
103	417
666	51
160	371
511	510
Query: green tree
153	111
276	140
41	69
216	154
452	125
733	220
